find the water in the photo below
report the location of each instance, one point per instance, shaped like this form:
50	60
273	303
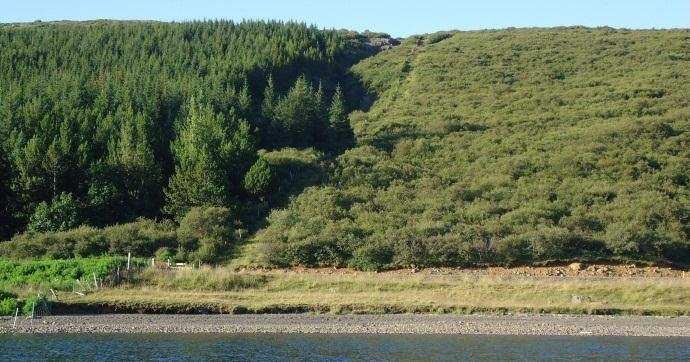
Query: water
342	347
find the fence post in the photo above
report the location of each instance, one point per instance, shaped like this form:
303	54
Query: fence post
16	314
129	257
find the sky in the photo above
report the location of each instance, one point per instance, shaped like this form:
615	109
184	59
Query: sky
398	18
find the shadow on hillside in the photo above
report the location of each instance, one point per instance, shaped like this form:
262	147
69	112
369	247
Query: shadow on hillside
294	174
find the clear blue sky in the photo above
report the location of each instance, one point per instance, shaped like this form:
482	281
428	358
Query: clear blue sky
399	18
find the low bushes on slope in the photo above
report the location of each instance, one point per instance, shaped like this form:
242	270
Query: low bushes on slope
503	147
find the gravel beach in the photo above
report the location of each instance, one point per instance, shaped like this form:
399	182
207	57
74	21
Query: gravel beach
377	324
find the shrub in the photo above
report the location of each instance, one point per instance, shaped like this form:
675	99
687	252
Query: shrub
372	257
630	240
514	249
165	253
62	213
447	170
208	252
258	180
208	231
561	244
410	251
437	37
8	306
142	237
91	243
36	305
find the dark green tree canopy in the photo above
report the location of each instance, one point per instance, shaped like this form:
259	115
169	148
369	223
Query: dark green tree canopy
211	153
104	110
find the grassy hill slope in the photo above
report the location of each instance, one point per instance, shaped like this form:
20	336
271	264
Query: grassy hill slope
510	146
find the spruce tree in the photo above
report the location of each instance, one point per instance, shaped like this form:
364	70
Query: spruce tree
320	117
6	197
295	113
337	119
245	100
91	109
138	167
268	103
211	153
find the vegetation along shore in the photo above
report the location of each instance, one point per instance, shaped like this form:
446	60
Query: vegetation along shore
105	286
330	171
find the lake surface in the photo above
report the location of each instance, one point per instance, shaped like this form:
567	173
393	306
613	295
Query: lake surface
337	347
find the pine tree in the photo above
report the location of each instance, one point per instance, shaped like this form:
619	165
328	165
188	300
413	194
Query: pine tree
337	113
95	118
137	163
295	113
268	103
245	100
320	117
337	119
211	153
319	103
6	197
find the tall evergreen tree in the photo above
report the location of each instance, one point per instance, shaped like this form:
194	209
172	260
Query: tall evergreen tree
137	162
245	100
296	113
6	197
320	117
269	101
337	112
211	152
337	119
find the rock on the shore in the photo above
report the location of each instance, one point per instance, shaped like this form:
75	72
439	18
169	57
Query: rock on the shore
377	324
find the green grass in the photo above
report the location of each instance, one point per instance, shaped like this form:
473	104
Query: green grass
225	290
58	274
204	278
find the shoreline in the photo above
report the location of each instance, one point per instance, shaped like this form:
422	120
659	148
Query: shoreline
539	325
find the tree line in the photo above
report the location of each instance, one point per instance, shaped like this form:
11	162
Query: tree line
106	122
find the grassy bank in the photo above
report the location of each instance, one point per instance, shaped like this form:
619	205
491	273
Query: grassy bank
28	284
343	291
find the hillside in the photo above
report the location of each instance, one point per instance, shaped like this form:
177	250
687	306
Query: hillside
510	146
106	122
187	140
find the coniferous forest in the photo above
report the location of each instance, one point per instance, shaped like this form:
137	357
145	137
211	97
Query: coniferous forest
286	145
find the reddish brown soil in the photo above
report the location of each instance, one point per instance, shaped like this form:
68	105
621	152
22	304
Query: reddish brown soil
580	270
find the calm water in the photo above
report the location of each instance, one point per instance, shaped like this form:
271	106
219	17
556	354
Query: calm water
268	347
